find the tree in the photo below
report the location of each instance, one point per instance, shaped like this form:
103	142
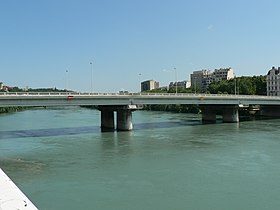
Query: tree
255	85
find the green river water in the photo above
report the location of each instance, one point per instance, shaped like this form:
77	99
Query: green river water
62	161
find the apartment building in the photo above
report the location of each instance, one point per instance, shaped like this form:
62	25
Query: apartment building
273	82
223	74
180	84
200	80
149	85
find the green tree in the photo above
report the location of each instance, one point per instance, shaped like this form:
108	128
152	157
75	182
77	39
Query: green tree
255	85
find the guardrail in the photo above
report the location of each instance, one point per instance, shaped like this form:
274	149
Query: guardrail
131	94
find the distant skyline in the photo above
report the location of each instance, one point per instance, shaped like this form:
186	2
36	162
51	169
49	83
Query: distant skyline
60	43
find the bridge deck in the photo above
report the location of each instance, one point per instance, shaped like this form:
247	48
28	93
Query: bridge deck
64	99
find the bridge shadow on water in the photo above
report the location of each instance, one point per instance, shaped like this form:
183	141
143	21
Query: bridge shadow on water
89	129
48	132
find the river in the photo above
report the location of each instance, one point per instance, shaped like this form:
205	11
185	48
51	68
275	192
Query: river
61	160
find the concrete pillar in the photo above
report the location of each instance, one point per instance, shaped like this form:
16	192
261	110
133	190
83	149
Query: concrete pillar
107	120
230	114
124	120
208	113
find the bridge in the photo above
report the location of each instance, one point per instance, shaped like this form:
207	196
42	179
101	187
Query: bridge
125	104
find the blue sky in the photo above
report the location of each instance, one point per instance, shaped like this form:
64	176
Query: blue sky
40	40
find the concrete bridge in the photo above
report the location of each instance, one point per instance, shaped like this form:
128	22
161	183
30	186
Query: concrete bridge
125	104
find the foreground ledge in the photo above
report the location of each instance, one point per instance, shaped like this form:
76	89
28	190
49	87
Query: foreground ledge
11	196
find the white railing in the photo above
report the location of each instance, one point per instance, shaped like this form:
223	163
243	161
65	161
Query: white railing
134	94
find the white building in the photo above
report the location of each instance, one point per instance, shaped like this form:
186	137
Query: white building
200	80
149	85
1	85
273	82
223	74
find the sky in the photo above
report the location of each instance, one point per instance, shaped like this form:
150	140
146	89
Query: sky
112	45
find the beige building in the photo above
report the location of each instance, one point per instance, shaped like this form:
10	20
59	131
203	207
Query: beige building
200	80
273	82
223	74
149	85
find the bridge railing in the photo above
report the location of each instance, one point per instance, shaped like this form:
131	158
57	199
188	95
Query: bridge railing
130	94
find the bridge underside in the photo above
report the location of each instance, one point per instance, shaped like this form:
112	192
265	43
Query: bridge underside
270	110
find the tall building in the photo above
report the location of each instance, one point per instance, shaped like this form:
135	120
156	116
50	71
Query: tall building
273	82
1	85
200	80
149	85
223	74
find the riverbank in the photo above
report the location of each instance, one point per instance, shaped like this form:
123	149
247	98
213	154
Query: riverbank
11	109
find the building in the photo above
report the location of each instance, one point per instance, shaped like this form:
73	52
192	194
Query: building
200	80
182	84
149	85
223	74
273	82
1	85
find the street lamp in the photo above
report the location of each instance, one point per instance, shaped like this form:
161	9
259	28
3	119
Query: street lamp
140	81
234	85
91	76
176	79
67	79
195	85
176	82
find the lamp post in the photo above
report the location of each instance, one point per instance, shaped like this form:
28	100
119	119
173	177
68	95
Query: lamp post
140	82
91	76
234	85
176	79
176	82
67	79
195	85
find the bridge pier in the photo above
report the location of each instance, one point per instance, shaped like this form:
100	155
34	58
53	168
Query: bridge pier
107	120
208	113
124	120
124	117
230	114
